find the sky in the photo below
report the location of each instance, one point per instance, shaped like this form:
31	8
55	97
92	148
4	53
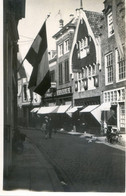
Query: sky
35	14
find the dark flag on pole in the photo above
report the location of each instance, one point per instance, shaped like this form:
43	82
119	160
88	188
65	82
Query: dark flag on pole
37	56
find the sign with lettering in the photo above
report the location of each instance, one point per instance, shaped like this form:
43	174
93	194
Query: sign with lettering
64	91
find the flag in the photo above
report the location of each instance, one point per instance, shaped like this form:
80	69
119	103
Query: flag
116	30
37	56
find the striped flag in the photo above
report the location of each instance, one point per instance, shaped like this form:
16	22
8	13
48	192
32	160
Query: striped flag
37	56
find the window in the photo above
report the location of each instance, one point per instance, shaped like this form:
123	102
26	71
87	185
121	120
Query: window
121	67
89	71
109	68
93	69
60	73
110	24
60	49
52	73
83	48
66	71
122	115
105	97
66	46
117	95
25	92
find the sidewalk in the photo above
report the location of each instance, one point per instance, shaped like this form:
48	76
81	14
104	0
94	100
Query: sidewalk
32	172
102	139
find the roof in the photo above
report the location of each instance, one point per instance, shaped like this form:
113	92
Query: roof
94	19
71	23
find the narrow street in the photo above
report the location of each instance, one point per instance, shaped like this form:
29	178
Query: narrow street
82	166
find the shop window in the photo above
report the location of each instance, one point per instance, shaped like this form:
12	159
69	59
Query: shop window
105	97
122	115
115	95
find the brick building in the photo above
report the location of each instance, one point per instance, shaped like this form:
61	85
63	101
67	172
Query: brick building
113	64
85	63
13	11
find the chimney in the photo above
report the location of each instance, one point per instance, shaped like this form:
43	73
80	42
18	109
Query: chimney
61	23
77	12
71	16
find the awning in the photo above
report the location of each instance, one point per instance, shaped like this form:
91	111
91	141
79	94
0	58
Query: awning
62	109
34	110
74	109
47	110
94	110
105	106
89	108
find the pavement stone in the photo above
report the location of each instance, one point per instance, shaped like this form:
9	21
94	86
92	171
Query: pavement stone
31	171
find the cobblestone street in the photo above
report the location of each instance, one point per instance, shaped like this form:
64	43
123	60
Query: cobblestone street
82	166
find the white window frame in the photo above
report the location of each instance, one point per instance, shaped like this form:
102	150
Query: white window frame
66	46
120	95
60	49
110	24
107	82
83	48
117	67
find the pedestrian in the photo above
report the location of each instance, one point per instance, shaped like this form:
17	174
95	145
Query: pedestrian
50	127
45	126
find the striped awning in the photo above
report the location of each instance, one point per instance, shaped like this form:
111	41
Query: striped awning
74	109
34	110
62	109
47	110
89	108
105	106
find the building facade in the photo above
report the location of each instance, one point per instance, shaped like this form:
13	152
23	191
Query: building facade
85	63
64	40
113	64
13	12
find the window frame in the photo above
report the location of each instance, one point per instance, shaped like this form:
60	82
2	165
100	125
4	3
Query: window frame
66	46
110	24
118	60
60	50
60	73
109	68
66	70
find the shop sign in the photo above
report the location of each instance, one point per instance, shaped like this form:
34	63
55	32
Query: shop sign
64	91
48	94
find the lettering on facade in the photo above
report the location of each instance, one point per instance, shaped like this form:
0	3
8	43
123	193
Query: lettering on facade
64	91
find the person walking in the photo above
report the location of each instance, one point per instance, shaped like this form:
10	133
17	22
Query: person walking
45	126
50	127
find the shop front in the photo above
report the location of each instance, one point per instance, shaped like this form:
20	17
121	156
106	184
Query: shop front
113	109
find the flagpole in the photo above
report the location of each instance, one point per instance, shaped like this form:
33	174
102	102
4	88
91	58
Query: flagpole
33	41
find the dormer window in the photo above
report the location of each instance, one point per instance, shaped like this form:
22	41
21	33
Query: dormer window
83	48
110	24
